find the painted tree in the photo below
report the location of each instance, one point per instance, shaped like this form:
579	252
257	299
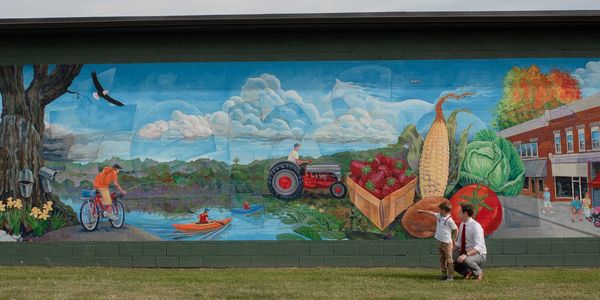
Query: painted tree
528	93
22	126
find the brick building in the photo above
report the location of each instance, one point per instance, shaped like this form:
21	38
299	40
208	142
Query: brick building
561	150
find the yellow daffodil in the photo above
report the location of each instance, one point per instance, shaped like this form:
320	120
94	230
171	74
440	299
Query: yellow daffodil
2	207
44	216
18	204
9	202
48	206
35	212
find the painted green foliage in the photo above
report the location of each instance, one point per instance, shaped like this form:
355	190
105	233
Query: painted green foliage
493	161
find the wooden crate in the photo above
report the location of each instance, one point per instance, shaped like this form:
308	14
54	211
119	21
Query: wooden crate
381	212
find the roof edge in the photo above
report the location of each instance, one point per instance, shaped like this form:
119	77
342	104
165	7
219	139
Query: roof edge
575	16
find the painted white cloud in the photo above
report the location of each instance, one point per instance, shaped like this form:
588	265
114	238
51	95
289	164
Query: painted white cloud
263	110
242	116
56	131
356	125
181	125
589	78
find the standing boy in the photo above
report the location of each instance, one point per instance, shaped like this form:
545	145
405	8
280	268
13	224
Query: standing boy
445	232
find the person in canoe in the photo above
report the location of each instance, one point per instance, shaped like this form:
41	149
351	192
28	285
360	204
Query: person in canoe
246	205
203	217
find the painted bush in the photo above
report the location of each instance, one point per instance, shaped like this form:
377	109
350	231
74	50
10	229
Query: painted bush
191	136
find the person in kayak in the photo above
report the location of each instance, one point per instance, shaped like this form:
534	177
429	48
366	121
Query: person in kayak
101	184
246	205
203	217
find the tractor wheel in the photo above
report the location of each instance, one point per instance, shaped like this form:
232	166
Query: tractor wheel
338	190
285	181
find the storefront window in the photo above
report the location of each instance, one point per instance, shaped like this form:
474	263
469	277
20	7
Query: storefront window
595	138
540	184
564	187
557	143
568	187
569	140
581	139
526	183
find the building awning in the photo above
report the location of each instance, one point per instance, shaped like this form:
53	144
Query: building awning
595	183
570	170
535	168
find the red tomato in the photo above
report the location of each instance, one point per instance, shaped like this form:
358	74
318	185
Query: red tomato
488	210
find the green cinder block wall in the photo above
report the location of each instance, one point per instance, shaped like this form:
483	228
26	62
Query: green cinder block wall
584	252
327	44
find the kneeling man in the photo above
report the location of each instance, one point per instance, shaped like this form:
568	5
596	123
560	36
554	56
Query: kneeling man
469	248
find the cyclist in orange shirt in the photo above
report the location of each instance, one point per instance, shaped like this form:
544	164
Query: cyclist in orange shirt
101	184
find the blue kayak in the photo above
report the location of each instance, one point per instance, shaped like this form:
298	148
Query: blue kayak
253	208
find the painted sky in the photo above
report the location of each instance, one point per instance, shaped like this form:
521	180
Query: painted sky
258	110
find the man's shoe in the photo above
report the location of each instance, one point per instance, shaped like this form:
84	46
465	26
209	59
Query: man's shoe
443	277
449	279
469	275
480	277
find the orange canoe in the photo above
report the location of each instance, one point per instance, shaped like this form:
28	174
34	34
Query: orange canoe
202	227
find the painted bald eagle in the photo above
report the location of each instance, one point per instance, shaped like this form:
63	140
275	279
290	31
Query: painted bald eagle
101	92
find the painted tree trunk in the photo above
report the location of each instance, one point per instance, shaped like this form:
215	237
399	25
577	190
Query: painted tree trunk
22	125
20	148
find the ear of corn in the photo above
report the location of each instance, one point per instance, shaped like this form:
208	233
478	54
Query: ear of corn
435	156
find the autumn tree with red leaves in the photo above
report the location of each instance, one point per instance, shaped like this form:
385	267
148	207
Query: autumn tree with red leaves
528	93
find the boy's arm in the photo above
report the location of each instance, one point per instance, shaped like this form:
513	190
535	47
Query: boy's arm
118	186
426	212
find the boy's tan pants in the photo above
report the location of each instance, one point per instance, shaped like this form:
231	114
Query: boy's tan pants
446	261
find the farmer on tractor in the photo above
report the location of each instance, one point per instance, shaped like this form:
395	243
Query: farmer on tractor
102	182
295	157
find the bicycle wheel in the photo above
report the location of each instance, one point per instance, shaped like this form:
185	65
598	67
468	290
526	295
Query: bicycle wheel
118	210
88	215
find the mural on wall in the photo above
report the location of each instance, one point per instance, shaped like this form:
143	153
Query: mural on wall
323	150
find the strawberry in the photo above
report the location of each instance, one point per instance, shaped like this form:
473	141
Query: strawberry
384	160
385	169
377	193
370	186
356	167
361	182
401	164
365	173
378	179
396	172
374	163
402	179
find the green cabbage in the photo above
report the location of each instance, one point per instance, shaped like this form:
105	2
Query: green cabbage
493	161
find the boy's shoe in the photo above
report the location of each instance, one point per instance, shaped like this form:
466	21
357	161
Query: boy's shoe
449	279
443	277
111	217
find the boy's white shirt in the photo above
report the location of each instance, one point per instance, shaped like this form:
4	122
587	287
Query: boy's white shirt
444	227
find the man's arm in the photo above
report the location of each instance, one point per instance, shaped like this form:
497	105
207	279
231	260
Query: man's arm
478	240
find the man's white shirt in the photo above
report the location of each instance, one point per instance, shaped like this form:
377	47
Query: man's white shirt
475	238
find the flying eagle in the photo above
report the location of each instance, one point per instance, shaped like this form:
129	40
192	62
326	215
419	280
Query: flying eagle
101	92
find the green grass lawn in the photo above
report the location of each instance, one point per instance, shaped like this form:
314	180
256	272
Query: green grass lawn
106	283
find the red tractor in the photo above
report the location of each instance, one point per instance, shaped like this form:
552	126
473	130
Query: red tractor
287	180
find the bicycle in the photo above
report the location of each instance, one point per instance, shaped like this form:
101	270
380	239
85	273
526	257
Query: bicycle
92	210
